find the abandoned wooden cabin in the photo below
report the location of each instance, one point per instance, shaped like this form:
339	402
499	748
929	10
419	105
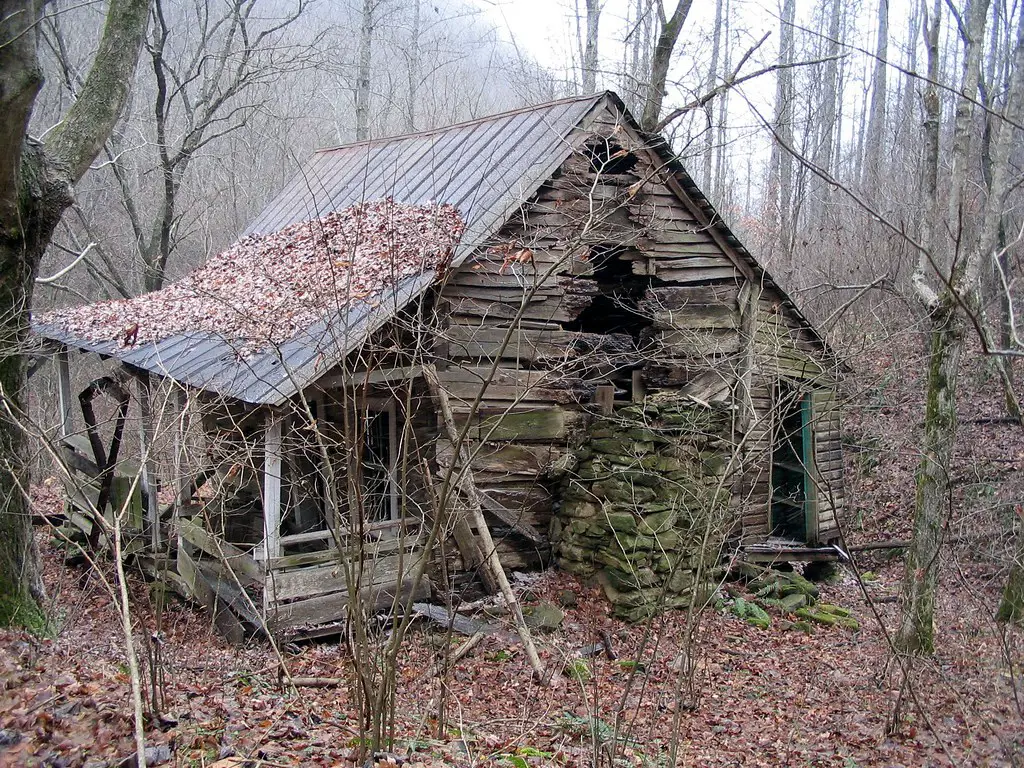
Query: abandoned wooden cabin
561	269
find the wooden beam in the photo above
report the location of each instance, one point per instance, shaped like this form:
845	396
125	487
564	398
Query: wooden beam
63	358
182	481
604	397
484	533
272	485
150	481
363	378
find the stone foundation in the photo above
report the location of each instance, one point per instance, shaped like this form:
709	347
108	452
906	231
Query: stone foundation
644	510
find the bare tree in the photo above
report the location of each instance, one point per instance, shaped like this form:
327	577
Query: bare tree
874	141
711	134
590	48
366	27
780	173
951	305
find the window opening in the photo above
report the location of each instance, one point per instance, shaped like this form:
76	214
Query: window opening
608	157
370	451
377	466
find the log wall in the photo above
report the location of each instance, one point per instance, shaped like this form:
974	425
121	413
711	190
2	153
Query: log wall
525	328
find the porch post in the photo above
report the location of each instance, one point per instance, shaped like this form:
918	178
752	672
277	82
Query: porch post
149	473
182	484
64	391
272	485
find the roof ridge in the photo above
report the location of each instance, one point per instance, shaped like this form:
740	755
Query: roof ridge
595	97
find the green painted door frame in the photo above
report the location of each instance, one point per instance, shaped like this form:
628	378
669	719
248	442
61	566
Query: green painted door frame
810	485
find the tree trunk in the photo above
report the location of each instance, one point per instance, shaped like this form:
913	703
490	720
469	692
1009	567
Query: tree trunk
660	63
363	72
710	134
35	189
780	169
414	68
874	142
21	247
1011	606
829	98
946	337
948	323
590	51
723	195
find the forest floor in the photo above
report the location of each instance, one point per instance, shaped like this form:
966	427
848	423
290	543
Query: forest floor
764	697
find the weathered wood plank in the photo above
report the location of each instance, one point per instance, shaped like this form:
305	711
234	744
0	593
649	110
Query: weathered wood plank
709	274
511	458
272	472
241	562
64	397
532	425
677	296
489	342
333	607
700	343
323	580
697	317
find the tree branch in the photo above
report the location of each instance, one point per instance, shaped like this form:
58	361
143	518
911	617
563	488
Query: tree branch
81	134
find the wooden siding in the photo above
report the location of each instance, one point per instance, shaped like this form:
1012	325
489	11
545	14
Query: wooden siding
516	333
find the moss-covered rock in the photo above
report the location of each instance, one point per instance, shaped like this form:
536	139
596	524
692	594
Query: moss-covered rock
834	610
637	506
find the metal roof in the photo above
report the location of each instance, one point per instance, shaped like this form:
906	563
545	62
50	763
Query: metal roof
486	168
212	362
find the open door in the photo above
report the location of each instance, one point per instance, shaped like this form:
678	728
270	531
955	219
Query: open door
792	486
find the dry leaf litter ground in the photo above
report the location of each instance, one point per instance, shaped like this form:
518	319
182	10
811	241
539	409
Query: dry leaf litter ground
768	697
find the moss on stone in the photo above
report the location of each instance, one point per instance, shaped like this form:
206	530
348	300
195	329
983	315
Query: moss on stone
640	502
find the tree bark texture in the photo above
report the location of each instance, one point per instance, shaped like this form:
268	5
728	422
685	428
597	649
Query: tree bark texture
35	189
946	337
875	143
363	71
1011	606
947	329
660	62
590	49
710	134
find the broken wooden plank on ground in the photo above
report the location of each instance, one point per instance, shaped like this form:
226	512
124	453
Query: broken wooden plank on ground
477	513
449	620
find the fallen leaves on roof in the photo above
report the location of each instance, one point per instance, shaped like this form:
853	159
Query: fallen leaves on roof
265	289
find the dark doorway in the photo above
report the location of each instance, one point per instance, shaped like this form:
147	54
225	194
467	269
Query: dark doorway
377	466
790	462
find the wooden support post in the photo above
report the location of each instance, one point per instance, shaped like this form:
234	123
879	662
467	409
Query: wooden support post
64	391
272	486
182	483
468	487
604	396
150	482
639	390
